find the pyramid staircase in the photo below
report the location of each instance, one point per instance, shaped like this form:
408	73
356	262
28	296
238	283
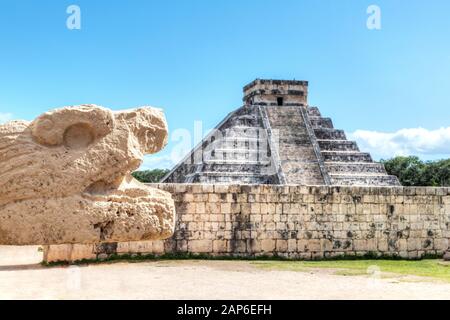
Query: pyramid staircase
296	151
279	145
344	162
236	151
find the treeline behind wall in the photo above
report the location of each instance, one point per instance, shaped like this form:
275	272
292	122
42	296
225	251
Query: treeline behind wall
150	176
411	171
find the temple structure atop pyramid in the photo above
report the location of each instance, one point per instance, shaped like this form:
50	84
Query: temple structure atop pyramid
277	138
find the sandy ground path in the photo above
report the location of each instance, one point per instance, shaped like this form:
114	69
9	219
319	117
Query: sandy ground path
21	277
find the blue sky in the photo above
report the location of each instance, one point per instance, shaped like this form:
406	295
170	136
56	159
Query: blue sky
389	88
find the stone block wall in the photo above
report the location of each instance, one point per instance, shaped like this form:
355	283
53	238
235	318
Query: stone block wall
295	222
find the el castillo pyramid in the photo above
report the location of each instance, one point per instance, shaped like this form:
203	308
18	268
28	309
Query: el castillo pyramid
277	138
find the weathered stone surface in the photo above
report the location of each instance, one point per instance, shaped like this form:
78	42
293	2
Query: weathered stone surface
447	256
66	178
304	222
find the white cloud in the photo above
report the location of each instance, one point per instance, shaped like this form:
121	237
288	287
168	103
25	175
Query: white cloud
427	144
5	117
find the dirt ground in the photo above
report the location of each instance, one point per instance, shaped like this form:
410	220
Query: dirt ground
22	277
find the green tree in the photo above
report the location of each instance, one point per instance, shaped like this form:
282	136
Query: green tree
150	176
437	173
411	171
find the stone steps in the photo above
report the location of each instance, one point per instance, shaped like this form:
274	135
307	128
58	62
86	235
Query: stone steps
241	144
313	112
237	177
290	134
364	180
247	120
292	143
346	156
298	160
288	121
304	157
307	171
338	145
229	174
234	162
329	134
235	150
236	156
238	138
240	155
290	153
243	132
358	167
319	122
293	140
230	167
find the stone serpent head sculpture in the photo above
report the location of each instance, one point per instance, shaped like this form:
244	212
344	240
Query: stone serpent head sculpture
66	178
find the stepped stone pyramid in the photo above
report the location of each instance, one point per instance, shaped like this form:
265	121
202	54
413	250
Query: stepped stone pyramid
277	138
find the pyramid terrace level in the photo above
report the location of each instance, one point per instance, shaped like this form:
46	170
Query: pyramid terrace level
277	138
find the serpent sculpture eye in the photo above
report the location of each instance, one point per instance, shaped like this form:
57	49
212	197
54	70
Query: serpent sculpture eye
79	136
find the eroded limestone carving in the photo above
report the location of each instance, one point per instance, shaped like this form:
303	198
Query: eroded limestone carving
66	177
